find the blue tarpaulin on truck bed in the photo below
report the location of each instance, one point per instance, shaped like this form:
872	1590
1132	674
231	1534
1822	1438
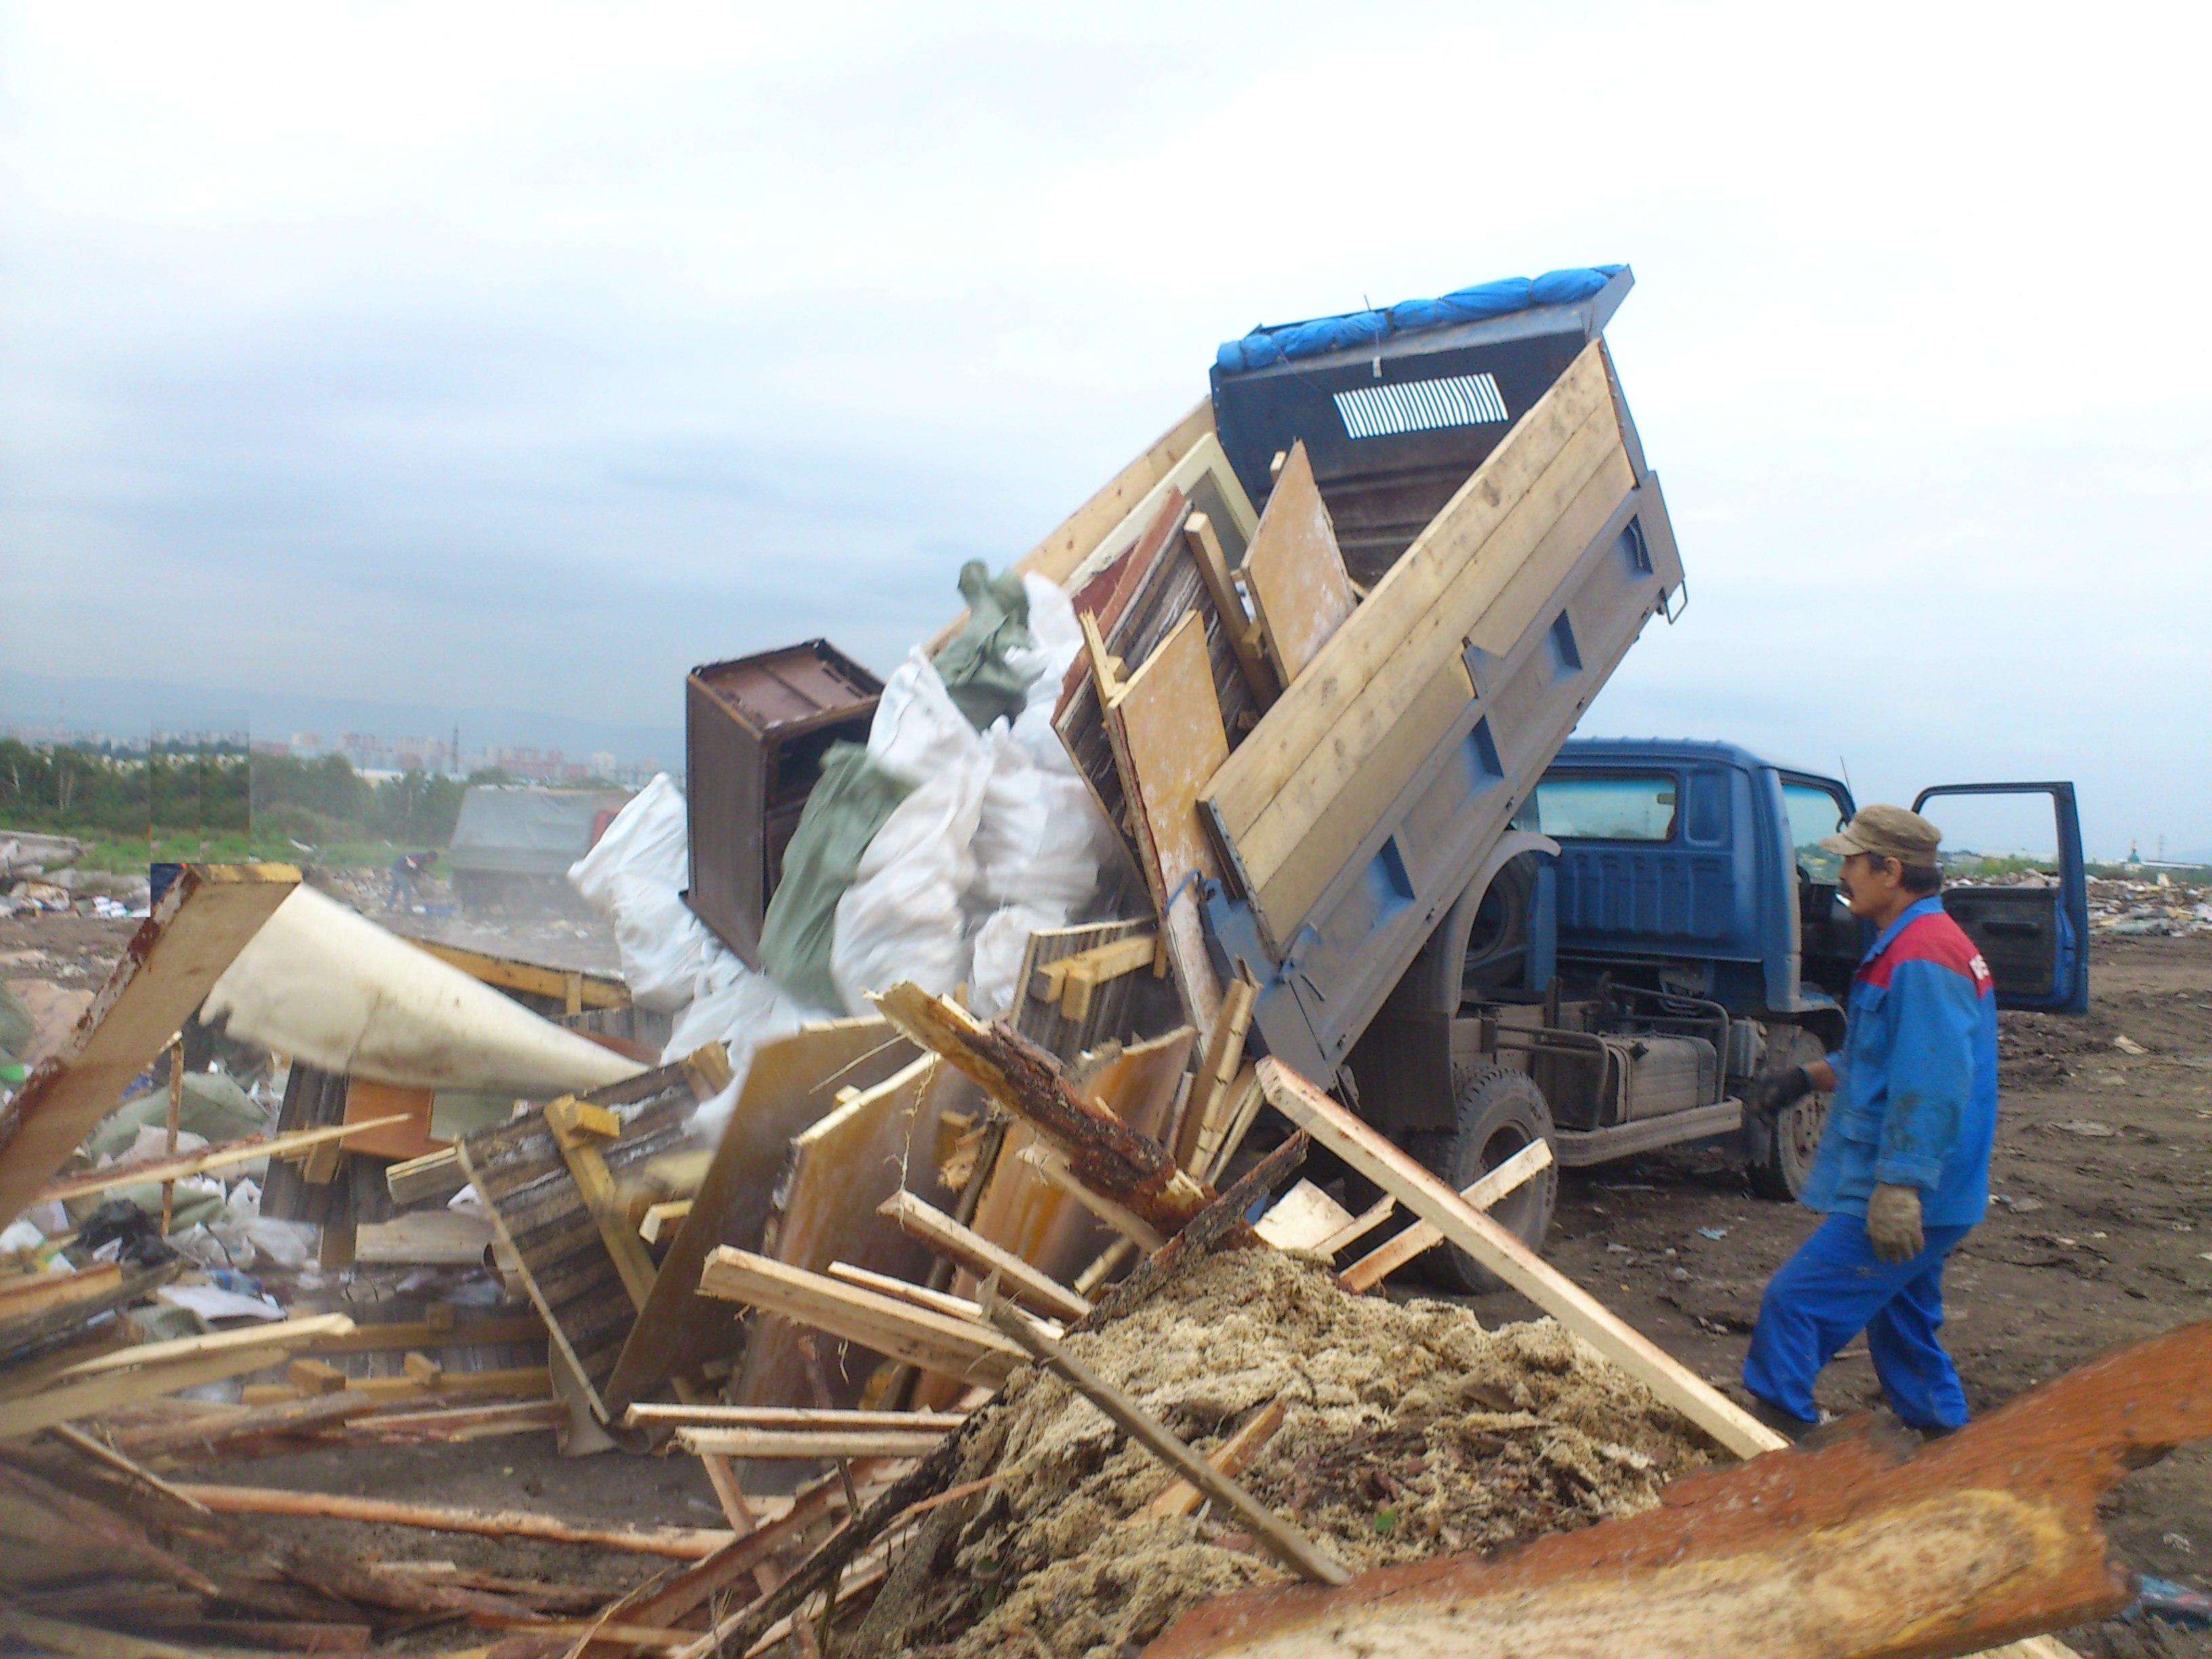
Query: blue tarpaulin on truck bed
1289	340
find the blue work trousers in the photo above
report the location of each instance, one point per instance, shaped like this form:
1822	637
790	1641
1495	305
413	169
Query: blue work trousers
1835	1287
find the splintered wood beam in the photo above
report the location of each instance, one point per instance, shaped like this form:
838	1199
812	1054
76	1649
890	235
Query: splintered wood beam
1502	1253
677	1543
1113	1160
206	1434
1288	1544
661	1220
966	1248
288	1146
1232	1457
1874	1546
1394	1253
937	1342
809	1445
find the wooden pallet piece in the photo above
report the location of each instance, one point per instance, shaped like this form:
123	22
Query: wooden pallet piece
1294	572
842	1168
549	1225
793	1083
1165	727
1394	1253
1040	1016
206	918
1242	632
1204	1125
1505	1256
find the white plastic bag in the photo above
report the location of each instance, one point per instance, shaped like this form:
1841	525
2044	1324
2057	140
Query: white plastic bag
904	917
635	878
741	1010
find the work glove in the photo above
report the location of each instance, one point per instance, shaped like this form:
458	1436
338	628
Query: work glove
1893	1223
1766	1096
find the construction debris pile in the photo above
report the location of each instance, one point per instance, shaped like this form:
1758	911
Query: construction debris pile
2162	906
914	1178
1392	1431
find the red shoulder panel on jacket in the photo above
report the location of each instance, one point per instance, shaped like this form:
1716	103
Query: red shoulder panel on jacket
1933	938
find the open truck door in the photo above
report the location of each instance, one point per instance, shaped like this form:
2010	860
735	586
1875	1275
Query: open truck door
2035	937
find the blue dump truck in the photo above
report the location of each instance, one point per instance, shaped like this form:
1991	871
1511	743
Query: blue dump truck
1480	932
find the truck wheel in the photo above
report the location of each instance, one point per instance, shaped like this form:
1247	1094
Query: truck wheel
1778	1160
1499	1111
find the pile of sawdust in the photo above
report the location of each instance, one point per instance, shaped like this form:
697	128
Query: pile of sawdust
1409	1431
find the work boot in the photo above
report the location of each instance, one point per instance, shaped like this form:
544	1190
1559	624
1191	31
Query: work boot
1785	1424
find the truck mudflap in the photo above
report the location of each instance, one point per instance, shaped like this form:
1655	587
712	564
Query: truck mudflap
1364	802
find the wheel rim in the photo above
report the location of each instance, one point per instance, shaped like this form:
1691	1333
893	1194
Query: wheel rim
1801	1134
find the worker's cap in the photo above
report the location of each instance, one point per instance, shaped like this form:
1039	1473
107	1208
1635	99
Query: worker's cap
1887	832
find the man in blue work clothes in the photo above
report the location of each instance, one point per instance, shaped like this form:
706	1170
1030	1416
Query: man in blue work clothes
1903	1169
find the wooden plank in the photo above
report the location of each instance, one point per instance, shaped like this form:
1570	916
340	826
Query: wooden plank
206	1434
290	1334
1295	573
560	985
172	961
1232	1457
1394	1253
676	1543
1206	1119
1302	1218
1051	1164
842	1168
1071	980
971	1250
1042	1020
1502	1253
432	1178
429	1238
792	1084
1077	537
398	1335
521	1380
402	1116
809	1444
193	1164
656	1414
38	1292
1287	1543
92	1395
661	1220
1365	649
959	1307
1169	742
935	1342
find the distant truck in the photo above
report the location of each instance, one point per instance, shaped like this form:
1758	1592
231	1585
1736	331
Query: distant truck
514	843
1482	933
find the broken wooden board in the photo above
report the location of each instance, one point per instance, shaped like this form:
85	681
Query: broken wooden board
542	1217
840	1171
1022	1213
1168	742
408	1138
1302	1218
209	914
1872	1545
793	1083
1294	572
1331	753
982	1259
1502	1253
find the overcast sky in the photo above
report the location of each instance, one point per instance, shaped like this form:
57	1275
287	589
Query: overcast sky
526	355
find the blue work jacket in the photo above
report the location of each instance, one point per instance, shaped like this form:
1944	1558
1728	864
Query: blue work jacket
1916	1100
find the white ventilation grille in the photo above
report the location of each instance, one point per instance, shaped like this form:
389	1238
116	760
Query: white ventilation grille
1380	412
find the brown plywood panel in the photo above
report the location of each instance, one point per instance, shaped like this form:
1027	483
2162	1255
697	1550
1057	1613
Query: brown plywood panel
793	1083
840	1171
1294	572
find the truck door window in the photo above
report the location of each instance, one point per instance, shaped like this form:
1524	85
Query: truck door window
1638	807
1814	814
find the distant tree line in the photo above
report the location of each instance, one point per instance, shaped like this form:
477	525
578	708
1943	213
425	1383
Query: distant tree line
222	790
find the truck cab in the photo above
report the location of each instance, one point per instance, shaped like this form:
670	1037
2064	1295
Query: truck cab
1677	930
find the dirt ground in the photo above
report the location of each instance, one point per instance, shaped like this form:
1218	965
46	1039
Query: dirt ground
2101	1234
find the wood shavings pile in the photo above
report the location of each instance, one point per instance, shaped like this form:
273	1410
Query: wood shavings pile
1409	1431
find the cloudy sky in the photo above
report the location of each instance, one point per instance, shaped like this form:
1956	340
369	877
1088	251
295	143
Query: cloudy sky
525	355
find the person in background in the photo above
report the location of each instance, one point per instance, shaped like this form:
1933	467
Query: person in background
1902	1173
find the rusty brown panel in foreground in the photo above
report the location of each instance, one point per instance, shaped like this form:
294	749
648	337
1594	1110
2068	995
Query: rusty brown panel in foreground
1863	1548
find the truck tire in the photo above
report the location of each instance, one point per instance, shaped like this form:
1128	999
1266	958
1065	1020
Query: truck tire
1777	1160
1499	1111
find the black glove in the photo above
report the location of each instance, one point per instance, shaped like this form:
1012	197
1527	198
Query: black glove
1767	1094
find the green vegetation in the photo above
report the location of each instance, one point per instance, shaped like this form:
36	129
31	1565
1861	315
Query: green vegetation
257	806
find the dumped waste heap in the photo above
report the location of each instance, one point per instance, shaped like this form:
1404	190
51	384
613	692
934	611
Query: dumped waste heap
1407	1430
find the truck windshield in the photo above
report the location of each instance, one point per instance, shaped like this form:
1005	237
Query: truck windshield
1640	807
1813	813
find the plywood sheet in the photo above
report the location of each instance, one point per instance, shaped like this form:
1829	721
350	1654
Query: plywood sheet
841	1170
205	919
1294	572
398	1141
1169	742
793	1083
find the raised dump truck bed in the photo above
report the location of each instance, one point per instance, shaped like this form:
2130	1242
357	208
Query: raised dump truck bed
1382	784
